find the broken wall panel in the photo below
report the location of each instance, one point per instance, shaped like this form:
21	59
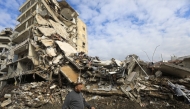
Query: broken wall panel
59	29
41	21
47	31
70	73
68	49
174	70
47	42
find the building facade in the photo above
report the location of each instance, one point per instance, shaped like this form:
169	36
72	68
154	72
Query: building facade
41	24
5	45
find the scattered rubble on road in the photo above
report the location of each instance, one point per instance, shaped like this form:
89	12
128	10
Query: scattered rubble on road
103	78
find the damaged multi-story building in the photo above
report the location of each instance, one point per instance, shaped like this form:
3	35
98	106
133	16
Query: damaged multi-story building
5	46
43	23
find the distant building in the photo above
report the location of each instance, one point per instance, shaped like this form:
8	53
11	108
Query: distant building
5	45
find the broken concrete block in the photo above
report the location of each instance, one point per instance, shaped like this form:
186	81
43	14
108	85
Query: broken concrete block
112	73
51	51
131	66
6	102
67	48
47	31
59	29
47	42
41	20
172	69
121	81
57	59
53	86
158	74
72	75
56	70
7	96
71	28
132	76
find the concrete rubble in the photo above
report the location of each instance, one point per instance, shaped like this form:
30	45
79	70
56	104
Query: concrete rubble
59	61
100	78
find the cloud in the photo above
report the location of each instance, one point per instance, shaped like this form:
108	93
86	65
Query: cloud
9	12
117	28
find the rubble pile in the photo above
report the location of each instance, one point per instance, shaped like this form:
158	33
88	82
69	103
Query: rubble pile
33	95
51	43
131	78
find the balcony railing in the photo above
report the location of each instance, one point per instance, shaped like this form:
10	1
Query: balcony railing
24	4
22	32
30	16
19	45
26	11
5	38
4	46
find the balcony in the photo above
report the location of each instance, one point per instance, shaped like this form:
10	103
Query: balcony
21	47
22	35
5	39
25	4
27	10
18	27
4	46
27	1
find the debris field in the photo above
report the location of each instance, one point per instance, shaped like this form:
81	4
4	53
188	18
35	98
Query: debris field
108	84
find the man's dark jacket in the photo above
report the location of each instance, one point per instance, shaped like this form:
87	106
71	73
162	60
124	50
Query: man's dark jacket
75	100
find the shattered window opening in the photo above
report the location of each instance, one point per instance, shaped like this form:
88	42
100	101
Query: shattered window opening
83	45
83	28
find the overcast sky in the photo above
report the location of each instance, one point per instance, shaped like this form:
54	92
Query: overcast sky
117	28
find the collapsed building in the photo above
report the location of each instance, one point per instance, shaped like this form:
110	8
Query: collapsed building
44	25
50	43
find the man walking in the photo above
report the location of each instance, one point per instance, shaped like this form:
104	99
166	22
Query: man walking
75	100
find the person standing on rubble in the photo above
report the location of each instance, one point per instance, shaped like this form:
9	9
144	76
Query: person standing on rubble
75	100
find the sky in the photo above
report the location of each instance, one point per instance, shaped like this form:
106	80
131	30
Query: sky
152	29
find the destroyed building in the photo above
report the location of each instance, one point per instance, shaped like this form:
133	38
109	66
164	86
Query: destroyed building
41	23
50	43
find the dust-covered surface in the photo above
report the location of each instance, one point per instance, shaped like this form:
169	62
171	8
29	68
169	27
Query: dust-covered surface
48	95
117	102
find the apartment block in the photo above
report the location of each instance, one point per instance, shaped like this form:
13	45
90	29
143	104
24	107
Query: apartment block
43	25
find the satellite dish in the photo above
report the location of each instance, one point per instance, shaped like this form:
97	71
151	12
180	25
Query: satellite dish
67	13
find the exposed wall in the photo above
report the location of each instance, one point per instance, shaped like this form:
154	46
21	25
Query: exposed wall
82	38
20	67
32	54
10	69
186	62
2	84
